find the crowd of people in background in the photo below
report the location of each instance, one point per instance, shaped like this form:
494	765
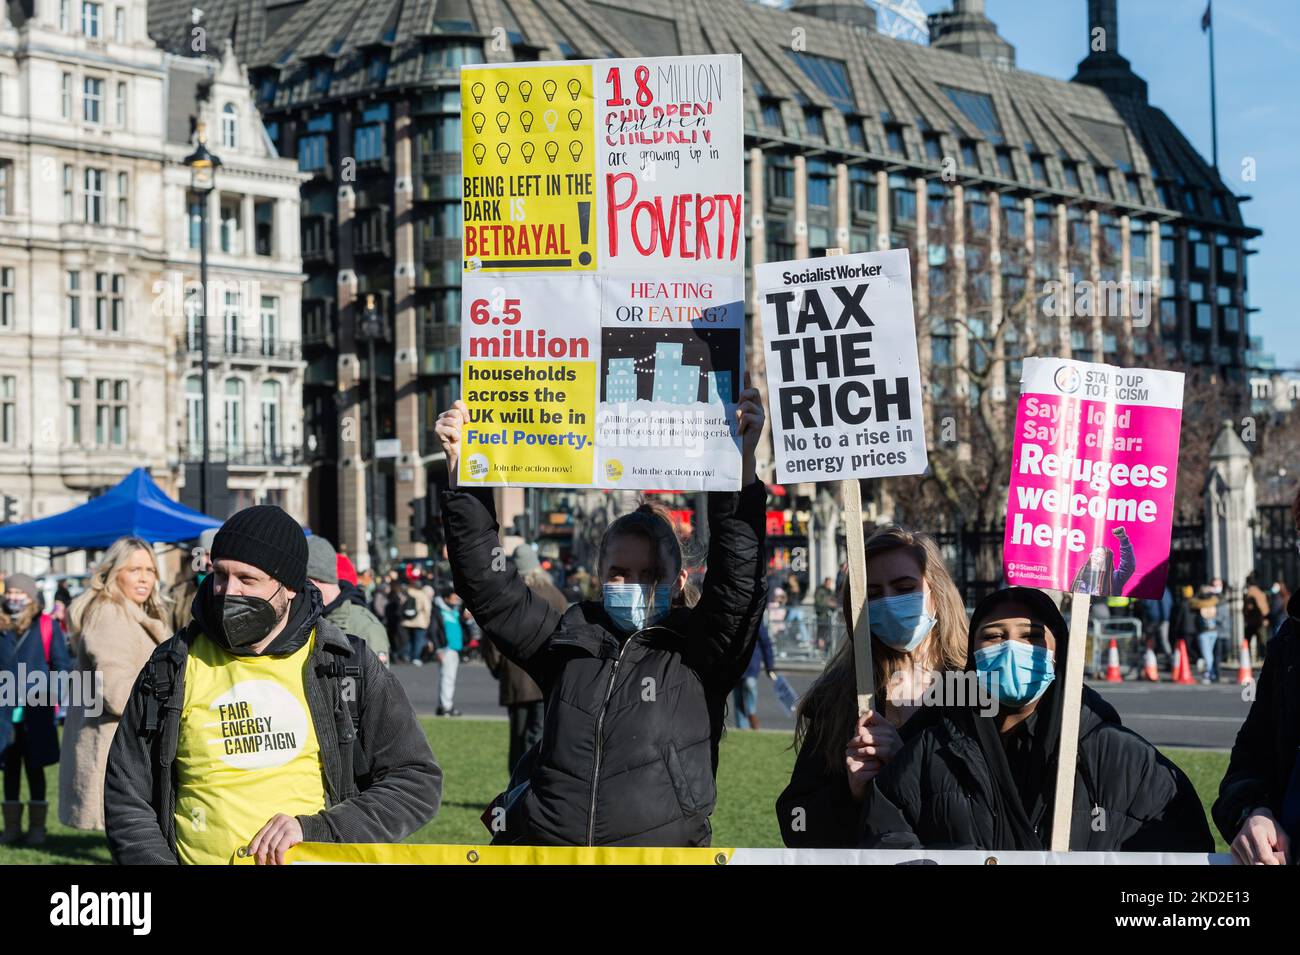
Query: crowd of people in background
576	653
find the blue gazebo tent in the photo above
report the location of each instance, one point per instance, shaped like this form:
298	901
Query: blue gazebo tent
136	507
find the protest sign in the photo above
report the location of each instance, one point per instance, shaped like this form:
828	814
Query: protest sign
843	375
844	386
603	285
1094	464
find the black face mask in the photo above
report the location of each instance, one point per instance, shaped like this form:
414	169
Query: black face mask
247	620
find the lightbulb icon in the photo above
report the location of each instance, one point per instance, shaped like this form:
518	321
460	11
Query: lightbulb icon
551	118
503	90
503	151
575	88
575	149
575	118
479	152
525	90
526	120
478	119
503	120
549	88
552	150
528	149
477	91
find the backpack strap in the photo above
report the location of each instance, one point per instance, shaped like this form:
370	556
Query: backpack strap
348	668
159	680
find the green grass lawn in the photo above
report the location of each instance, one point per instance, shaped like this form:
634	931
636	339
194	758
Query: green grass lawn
753	770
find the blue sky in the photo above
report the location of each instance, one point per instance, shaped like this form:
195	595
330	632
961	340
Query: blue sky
1257	58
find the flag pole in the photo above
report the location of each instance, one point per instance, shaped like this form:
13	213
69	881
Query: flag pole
1214	114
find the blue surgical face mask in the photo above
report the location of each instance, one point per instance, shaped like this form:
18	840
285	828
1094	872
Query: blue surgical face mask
633	607
900	622
1022	671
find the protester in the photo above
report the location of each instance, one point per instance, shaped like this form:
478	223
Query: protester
180	595
115	624
1099	576
399	640
918	631
349	616
968	779
1258	809
207	779
32	649
1278	597
744	698
517	691
635	686
450	641
416	608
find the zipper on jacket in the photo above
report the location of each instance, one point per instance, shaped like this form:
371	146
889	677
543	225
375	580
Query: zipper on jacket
600	739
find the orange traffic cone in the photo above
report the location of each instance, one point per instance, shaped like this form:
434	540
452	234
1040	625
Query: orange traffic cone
1244	672
1150	669
1112	664
1183	666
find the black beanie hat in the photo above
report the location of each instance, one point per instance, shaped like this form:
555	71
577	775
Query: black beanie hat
269	539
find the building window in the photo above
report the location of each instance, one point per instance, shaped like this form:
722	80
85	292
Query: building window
229	126
8	410
814	124
1038	170
969	155
69	198
933	148
230	322
74	412
230	231
7	315
1005	169
819	184
65	15
6	187
121	105
72	298
117	303
977	214
312	153
1103	184
123	194
1204	316
894	140
109	302
94	196
1013	217
368	142
264	228
65	96
233	402
780	178
90	19
193	412
270	324
111	424
902	198
119	25
92	97
270	418
1201	255
1071	176
862	190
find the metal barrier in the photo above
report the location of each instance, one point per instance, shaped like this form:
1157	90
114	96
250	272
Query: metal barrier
798	636
1126	632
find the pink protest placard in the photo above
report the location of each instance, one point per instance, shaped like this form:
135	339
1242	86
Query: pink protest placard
1093	471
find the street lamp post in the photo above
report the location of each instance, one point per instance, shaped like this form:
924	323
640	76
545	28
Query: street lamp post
371	330
203	167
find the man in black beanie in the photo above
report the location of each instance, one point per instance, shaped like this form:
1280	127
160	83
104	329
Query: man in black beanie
261	724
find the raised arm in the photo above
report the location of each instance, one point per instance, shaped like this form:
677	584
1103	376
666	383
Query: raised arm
511	616
724	623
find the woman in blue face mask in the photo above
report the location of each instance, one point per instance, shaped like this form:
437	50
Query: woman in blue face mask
918	630
635	683
981	773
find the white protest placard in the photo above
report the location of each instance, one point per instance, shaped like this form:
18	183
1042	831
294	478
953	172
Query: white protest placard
844	381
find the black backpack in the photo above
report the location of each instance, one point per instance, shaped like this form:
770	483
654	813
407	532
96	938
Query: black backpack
410	609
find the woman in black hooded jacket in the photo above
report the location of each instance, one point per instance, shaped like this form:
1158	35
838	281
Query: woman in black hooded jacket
635	686
972	781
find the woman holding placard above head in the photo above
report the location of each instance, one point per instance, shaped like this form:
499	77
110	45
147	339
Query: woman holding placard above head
636	684
985	778
918	630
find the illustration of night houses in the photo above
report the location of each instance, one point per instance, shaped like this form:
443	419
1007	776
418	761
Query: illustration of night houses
620	380
675	383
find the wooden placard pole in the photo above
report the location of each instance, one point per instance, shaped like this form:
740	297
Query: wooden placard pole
859	617
1071	704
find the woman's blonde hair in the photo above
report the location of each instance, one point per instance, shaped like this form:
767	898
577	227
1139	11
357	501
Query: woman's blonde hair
103	583
827	713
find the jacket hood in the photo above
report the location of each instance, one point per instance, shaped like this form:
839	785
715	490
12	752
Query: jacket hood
304	611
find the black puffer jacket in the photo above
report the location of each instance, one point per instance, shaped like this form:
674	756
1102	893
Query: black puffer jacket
1263	760
630	746
937	793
